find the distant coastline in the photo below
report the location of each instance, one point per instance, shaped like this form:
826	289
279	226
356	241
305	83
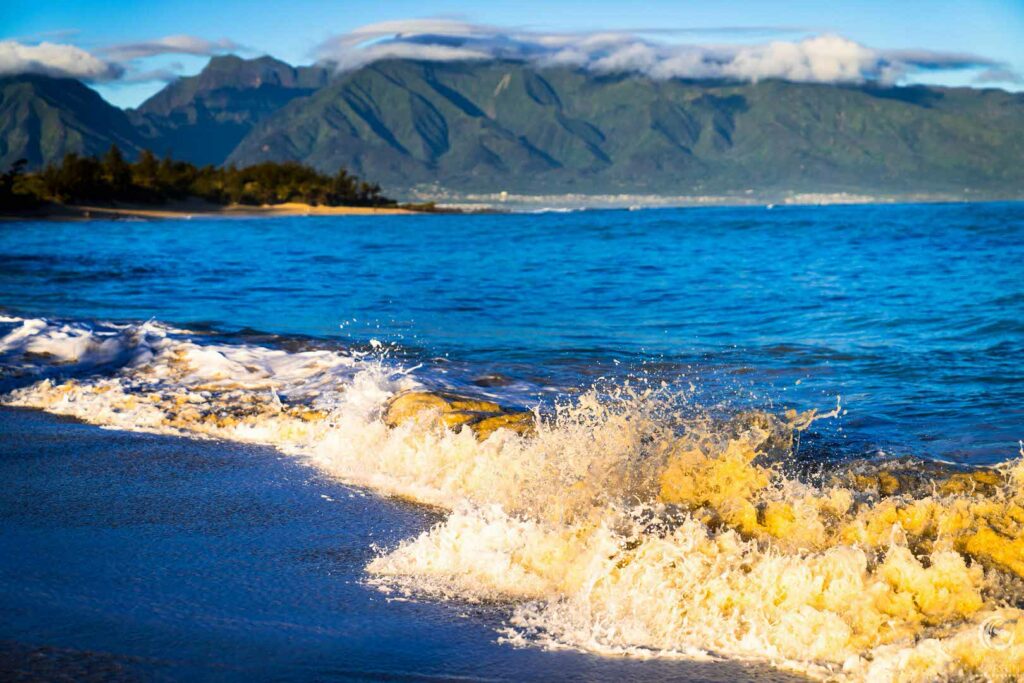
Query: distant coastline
509	202
111	187
197	209
475	203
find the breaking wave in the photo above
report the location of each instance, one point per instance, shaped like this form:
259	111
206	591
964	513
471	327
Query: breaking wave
623	521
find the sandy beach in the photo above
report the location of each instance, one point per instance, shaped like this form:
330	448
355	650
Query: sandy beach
197	209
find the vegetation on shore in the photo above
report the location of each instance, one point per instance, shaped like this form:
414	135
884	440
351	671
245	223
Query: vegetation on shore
154	181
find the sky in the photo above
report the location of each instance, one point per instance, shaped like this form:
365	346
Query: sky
128	50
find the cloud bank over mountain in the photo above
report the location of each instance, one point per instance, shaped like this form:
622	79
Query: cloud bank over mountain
171	45
110	63
54	59
660	53
825	58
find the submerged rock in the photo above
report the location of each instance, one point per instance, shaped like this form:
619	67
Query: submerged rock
492	380
518	422
454	411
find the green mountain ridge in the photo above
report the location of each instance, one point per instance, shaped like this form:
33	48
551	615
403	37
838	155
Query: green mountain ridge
511	126
508	126
43	118
202	118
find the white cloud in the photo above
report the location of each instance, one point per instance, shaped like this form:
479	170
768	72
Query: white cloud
54	59
115	62
400	50
825	58
178	45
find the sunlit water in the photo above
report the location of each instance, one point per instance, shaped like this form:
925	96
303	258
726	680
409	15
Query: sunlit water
913	314
646	516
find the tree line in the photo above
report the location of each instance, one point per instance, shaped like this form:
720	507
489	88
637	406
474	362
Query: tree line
111	178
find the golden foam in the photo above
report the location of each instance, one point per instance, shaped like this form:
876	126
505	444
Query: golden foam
619	524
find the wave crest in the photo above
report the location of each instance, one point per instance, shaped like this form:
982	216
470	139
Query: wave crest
623	521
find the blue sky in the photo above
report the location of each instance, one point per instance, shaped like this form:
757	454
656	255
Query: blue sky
992	29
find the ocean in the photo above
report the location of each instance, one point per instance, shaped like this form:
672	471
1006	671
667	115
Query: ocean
783	438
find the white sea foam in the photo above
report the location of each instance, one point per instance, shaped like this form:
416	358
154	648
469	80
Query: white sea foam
620	525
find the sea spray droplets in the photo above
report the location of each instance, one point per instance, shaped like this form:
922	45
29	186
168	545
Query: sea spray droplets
718	571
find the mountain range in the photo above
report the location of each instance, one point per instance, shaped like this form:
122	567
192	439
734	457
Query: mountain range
490	126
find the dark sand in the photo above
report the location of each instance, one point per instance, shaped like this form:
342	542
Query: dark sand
138	557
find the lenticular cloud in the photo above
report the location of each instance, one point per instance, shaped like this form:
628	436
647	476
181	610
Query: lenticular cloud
172	45
826	58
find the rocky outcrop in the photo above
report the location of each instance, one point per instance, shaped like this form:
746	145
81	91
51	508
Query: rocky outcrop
455	412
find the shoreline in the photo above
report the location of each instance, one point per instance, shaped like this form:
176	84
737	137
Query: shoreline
196	209
468	204
530	203
226	561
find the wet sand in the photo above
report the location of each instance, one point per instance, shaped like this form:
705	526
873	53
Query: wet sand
132	556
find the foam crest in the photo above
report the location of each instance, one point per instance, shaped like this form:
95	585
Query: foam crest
156	378
37	345
625	521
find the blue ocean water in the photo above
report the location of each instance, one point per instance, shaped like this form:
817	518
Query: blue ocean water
911	315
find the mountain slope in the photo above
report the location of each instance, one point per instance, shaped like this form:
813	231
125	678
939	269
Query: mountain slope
44	118
509	126
202	118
